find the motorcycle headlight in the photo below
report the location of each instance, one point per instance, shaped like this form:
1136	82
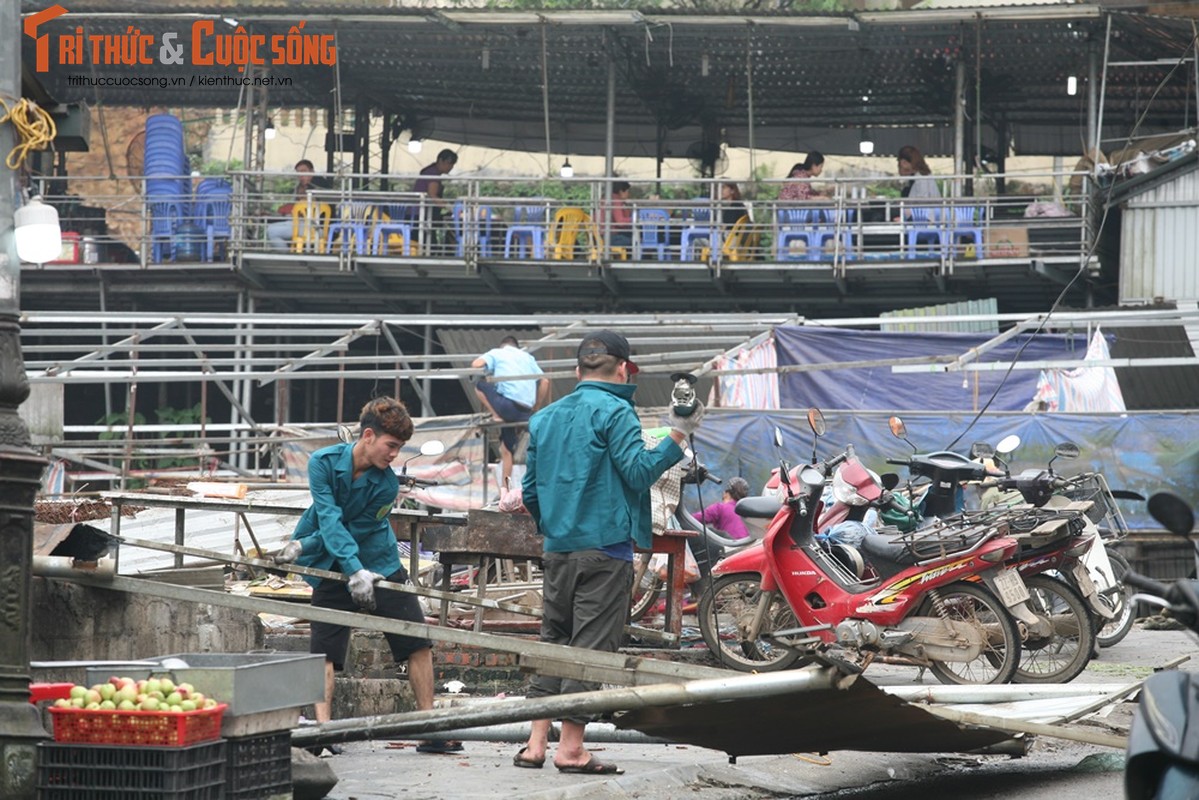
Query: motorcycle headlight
846	492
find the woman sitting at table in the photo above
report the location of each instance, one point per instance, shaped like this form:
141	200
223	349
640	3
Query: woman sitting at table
278	234
922	185
732	208
799	187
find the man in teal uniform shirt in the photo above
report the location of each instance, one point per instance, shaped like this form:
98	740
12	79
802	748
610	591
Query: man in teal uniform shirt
347	528
587	480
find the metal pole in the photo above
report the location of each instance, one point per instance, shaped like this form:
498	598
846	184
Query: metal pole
959	126
517	710
20	472
749	94
1092	100
545	98
1107	49
426	404
609	156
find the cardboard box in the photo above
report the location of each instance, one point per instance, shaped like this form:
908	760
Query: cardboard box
1005	242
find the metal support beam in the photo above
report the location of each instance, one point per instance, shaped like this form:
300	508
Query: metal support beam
959	125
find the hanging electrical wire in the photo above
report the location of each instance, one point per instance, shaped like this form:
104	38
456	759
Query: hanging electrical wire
34	127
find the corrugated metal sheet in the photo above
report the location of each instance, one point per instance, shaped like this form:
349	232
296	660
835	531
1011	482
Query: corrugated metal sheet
1159	241
1156	388
988	306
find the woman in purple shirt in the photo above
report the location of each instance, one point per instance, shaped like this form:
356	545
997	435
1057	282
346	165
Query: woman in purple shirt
722	516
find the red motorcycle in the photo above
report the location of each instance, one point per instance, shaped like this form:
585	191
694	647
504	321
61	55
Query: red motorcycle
787	596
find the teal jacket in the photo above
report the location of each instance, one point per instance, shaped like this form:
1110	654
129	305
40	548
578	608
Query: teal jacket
347	527
588	472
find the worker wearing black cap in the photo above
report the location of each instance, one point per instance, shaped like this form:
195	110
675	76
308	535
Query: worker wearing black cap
586	483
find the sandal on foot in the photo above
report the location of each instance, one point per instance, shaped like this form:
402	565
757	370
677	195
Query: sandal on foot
593	767
443	746
527	763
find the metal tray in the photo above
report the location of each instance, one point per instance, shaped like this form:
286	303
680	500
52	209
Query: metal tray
249	682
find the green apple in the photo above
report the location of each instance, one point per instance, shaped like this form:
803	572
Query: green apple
153	685
185	689
175	709
92	696
174	699
77	702
198	698
92	707
188	705
62	702
127	705
150	704
168	685
106	690
78	691
108	705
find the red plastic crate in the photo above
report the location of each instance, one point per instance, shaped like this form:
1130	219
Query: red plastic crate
156	729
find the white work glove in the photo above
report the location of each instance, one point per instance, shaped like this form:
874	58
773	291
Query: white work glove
687	425
290	552
362	588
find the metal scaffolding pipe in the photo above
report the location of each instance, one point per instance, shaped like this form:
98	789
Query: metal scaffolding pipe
583	703
518	733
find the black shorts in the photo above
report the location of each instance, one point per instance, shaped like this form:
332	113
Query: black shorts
333	641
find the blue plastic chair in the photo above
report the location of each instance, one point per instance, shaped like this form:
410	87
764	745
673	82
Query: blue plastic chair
795	225
700	228
213	209
964	223
166	217
652	226
528	227
482	229
833	224
399	223
922	228
351	227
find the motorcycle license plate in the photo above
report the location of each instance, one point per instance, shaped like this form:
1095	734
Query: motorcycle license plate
1011	587
1085	584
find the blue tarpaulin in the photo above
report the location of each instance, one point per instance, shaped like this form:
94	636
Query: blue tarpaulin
878	388
1148	452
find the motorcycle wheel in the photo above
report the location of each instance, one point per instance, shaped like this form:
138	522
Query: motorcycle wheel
647	588
1114	631
1061	656
726	611
965	602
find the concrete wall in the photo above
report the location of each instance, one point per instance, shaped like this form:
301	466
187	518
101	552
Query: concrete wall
72	622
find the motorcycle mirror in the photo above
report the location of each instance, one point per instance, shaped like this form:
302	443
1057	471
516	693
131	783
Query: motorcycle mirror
1172	512
900	431
345	433
432	447
778	437
1007	445
816	421
1066	450
981	450
889	480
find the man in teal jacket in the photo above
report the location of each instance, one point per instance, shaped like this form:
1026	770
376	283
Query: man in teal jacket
586	483
347	528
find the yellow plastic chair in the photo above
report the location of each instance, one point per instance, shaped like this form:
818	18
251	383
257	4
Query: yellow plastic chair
309	227
742	242
564	233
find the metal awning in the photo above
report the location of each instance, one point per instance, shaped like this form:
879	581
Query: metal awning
811	82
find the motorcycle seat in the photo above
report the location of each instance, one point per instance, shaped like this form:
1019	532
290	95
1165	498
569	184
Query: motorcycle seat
760	507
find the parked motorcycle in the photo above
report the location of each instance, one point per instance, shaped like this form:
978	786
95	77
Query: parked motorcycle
1057	626
785	596
1163	744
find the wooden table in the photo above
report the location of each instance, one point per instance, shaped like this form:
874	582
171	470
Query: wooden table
490	535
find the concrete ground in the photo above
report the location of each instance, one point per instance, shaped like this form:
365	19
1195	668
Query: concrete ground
1053	768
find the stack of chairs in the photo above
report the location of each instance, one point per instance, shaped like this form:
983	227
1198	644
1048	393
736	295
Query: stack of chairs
168	188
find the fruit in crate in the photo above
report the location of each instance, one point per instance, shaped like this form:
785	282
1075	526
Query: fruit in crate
157	695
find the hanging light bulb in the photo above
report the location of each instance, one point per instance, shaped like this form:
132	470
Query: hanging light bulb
269	131
414	145
36	231
567	170
1072	85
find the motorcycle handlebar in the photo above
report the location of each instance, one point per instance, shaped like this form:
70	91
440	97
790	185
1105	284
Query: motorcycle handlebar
901	461
409	482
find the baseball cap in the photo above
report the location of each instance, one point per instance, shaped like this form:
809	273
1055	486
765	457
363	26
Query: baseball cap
607	343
